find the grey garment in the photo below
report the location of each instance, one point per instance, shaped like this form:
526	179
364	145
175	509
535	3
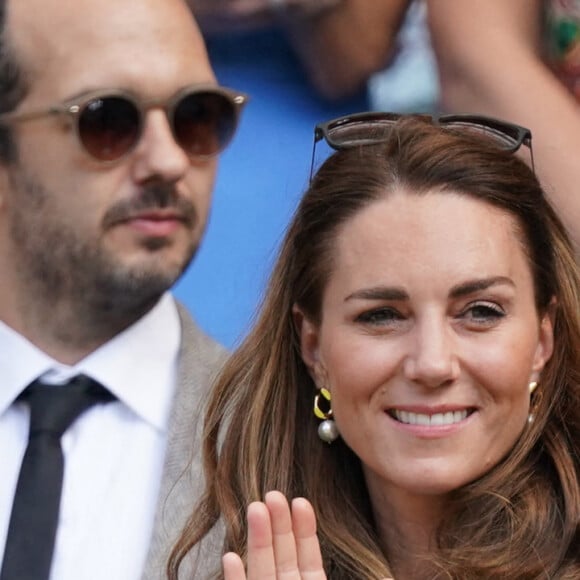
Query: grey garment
182	483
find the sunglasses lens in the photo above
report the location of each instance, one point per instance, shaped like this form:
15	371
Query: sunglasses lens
500	136
109	127
359	132
204	122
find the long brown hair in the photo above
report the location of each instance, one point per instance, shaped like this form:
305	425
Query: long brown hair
522	519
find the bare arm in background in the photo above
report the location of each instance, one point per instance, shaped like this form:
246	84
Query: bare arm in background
342	47
489	56
341	43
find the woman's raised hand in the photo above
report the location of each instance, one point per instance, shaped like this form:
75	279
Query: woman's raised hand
282	542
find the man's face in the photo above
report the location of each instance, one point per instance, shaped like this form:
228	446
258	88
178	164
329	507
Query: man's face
74	227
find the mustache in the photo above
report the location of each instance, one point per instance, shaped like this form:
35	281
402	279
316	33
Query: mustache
152	197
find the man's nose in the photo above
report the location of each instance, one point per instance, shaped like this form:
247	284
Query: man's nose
432	358
158	157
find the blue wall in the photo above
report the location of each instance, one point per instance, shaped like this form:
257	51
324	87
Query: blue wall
261	177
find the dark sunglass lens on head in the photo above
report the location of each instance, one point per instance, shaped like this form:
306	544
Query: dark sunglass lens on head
204	122
109	127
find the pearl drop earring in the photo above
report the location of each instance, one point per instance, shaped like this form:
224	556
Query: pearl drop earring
327	430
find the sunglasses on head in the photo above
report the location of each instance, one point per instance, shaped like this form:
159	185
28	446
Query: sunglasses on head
375	127
109	124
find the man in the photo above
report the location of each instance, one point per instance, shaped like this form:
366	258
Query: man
111	120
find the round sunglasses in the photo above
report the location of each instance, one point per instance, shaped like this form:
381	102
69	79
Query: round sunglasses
109	123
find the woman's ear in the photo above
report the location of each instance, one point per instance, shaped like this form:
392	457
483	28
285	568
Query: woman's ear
308	333
545	346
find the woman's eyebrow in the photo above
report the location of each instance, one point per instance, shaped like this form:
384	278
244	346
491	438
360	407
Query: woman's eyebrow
397	293
473	286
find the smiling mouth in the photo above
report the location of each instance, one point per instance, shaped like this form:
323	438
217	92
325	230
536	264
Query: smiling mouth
437	419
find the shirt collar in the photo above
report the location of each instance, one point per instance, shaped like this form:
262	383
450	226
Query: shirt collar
139	365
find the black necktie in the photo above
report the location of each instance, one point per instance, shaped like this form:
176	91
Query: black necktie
35	510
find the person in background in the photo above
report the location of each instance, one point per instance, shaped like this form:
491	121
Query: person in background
518	60
340	43
111	120
414	371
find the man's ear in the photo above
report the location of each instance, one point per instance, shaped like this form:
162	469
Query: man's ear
309	334
4	186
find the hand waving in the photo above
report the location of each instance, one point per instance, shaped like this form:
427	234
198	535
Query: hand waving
282	542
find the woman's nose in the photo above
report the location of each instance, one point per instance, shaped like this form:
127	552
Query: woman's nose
432	358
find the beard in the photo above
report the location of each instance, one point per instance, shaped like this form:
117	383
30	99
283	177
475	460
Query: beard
60	265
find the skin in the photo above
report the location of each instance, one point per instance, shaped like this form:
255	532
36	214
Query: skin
282	542
340	43
489	56
342	47
108	239
404	327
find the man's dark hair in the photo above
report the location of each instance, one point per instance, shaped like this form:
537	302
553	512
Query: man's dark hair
12	87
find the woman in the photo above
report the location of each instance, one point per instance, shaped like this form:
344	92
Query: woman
425	304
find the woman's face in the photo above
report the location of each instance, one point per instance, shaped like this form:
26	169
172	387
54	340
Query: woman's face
428	340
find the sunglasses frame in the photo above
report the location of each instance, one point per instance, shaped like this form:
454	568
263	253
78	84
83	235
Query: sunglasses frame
74	107
520	135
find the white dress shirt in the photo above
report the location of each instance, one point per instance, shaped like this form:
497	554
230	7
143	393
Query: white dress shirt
113	453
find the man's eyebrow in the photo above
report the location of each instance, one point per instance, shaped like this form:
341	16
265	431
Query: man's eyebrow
379	293
473	286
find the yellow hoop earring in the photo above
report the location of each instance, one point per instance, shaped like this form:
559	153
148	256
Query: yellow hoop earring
532	387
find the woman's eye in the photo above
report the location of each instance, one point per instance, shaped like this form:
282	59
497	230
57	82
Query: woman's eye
379	316
483	312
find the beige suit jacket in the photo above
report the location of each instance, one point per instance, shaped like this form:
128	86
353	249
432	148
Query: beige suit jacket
182	483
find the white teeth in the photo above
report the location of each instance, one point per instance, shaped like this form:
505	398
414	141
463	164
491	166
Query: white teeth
437	419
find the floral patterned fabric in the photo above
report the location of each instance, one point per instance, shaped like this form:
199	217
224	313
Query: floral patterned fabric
563	41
